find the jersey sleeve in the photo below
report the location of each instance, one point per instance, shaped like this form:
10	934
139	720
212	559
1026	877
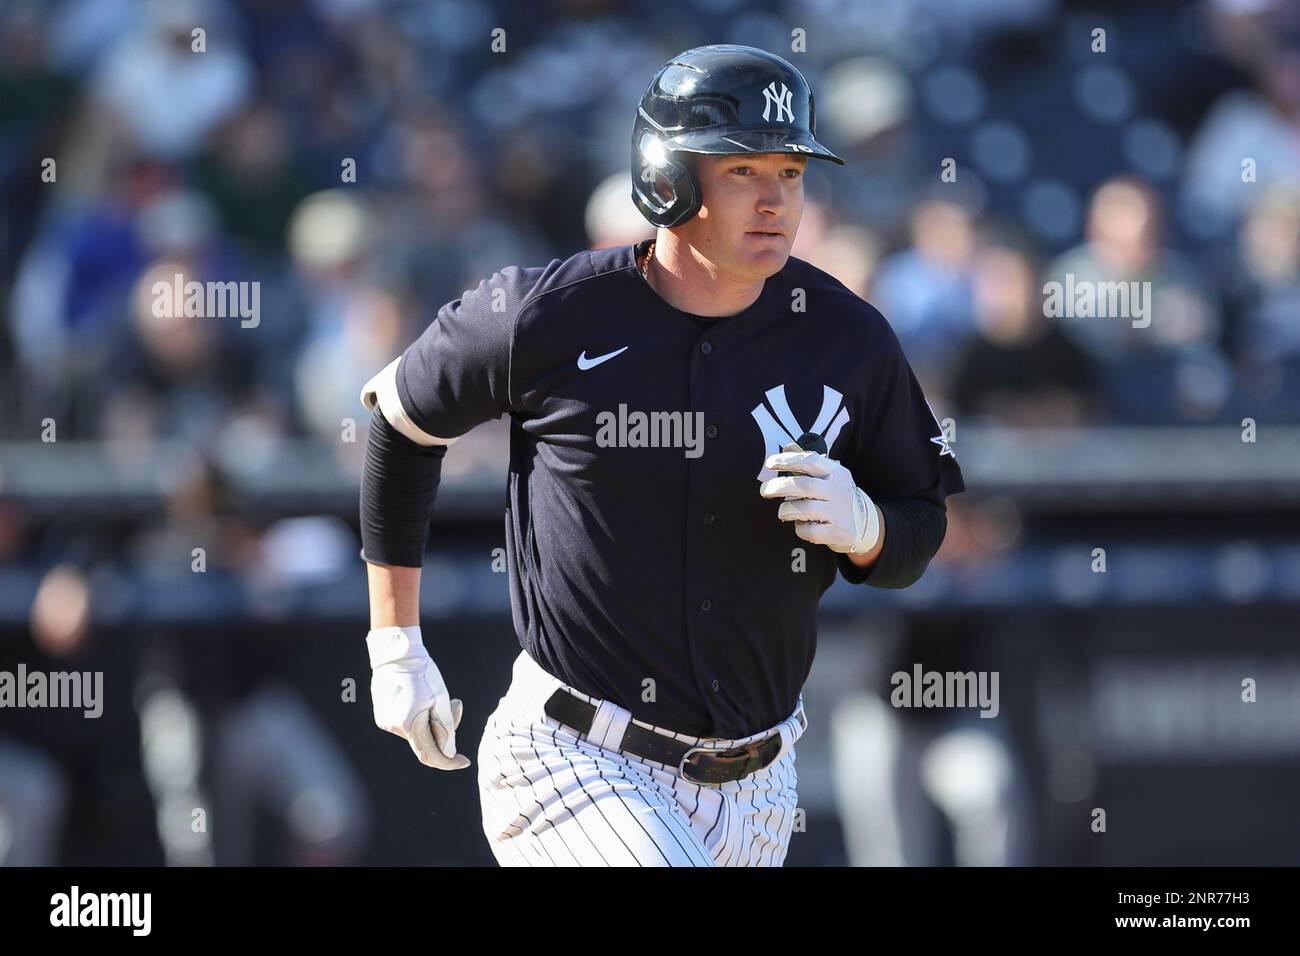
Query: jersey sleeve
902	451
457	373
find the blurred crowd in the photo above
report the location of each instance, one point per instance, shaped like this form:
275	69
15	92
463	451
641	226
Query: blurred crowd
367	160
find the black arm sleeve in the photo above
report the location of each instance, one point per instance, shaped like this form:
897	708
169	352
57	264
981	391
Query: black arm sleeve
914	530
399	482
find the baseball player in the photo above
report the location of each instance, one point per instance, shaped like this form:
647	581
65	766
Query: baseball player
704	430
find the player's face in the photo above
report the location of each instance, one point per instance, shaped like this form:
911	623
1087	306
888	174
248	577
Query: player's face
752	204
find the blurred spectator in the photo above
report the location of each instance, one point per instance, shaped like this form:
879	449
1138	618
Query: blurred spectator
1020	368
199	512
1262	304
1123	244
170	373
851	254
168	95
1158	343
254	179
34	97
925	290
33	788
1249	32
610	219
1260	127
1263	291
71	289
865	105
33	801
71	789
456	219
354	325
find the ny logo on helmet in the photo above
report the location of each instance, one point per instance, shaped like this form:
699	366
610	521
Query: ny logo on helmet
782	102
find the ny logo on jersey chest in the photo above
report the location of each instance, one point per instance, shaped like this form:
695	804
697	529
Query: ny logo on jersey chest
780	427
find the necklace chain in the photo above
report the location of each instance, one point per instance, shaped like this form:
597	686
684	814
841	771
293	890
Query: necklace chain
645	269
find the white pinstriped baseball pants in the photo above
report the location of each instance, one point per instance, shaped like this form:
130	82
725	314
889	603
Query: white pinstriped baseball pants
552	798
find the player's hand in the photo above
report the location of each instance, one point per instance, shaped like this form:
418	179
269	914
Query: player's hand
410	698
823	501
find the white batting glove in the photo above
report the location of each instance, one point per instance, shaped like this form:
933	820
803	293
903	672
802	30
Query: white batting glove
410	697
823	501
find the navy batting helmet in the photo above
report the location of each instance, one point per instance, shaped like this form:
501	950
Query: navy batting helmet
719	99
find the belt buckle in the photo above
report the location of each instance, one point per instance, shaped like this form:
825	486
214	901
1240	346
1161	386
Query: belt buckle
681	765
745	752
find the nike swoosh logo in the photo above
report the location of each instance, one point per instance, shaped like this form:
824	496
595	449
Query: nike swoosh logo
585	363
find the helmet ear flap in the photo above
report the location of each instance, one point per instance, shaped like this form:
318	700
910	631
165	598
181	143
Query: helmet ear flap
666	190
685	191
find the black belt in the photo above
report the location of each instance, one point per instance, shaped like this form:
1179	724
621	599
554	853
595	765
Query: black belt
696	764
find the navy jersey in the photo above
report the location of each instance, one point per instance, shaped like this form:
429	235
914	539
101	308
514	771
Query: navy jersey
644	565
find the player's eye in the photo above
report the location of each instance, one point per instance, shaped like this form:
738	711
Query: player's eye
738	168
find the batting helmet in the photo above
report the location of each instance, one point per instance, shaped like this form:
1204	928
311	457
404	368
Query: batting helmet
719	99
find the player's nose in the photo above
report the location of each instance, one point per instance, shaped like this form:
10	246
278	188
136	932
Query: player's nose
771	197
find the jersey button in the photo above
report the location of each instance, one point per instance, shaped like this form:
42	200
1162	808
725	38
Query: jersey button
706	605
711	431
715	683
706	348
710	518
